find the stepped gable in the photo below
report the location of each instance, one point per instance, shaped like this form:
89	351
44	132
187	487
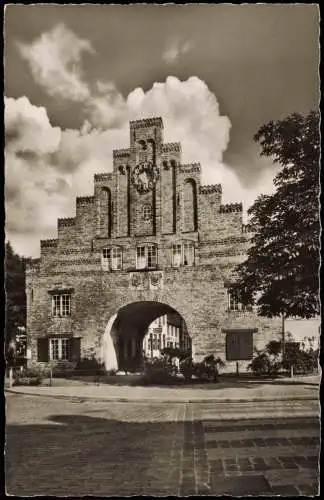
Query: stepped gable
187	168
84	200
121	153
103	176
210	188
171	147
231	207
48	243
147	122
66	222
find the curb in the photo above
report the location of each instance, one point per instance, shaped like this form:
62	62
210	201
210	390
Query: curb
159	400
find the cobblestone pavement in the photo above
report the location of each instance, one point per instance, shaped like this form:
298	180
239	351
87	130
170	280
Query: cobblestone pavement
74	448
252	456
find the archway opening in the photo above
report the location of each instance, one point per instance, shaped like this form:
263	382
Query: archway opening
142	330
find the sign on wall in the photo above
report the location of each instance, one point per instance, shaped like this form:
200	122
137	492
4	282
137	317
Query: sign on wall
239	345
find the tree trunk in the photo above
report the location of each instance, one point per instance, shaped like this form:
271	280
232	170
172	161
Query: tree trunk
283	337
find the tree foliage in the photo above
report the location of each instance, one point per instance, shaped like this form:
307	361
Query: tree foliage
15	292
282	268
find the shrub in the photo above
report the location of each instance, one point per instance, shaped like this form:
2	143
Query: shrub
159	371
206	370
262	364
112	372
27	381
303	361
187	368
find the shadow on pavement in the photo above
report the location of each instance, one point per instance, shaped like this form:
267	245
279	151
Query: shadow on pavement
79	455
82	455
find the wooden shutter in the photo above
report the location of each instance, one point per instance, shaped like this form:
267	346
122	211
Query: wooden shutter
239	345
42	350
75	349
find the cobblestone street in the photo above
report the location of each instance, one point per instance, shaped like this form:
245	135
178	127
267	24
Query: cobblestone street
76	448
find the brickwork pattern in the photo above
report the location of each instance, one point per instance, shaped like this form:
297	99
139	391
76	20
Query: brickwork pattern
182	210
75	447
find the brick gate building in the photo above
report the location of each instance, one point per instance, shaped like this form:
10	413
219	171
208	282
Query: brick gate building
150	241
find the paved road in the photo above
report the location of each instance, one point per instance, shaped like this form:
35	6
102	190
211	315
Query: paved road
74	448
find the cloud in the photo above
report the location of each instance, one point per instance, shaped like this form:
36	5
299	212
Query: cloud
54	60
174	49
47	167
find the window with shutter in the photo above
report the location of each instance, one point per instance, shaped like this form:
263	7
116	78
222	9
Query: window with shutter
42	350
75	349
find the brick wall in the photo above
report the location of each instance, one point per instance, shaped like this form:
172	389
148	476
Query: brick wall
180	211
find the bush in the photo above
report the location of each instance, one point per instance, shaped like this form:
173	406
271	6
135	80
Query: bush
303	361
159	371
187	368
206	370
112	372
268	362
261	364
27	381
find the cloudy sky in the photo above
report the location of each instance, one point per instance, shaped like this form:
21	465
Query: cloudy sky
76	75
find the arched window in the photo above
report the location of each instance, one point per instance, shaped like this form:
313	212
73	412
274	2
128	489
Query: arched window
112	259
190	206
147	212
104	213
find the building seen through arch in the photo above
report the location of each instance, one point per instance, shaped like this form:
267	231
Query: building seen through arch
151	241
166	331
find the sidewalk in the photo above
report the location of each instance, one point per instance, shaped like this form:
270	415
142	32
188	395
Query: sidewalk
306	388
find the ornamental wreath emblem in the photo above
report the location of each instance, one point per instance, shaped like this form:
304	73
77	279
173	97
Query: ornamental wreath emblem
136	280
155	278
145	176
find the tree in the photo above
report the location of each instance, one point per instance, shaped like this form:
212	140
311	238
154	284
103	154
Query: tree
281	272
15	293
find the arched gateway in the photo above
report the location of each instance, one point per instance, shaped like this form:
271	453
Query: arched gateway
122	343
151	239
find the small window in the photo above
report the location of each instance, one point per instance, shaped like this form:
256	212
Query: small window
116	259
151	256
147	212
111	259
235	302
61	305
140	258
146	257
183	254
176	255
60	349
188	254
